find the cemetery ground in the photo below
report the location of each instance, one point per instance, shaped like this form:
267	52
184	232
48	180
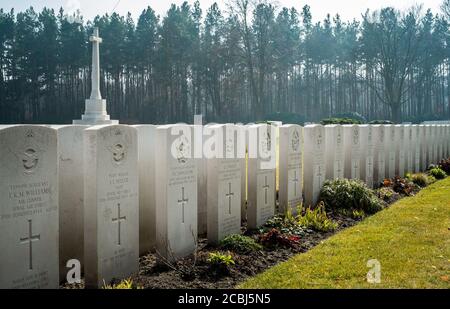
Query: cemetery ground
410	238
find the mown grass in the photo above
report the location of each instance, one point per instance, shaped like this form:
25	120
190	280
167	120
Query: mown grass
411	240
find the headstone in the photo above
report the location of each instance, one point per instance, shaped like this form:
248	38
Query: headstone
147	195
261	174
400	150
447	140
224	184
176	187
71	196
352	145
390	151
440	129
423	147
379	138
29	208
435	141
95	106
202	215
290	169
243	140
277	125
415	147
430	144
111	204
367	154
409	149
334	151
313	163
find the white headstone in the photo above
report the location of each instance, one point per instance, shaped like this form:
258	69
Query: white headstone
400	150
71	196
261	175
367	154
435	141
409	149
290	168
440	144
243	139
334	150
29	208
415	148
147	195
390	150
176	187
379	138
95	112
313	162
430	144
423	147
352	145
447	141
224	183
202	176
111	204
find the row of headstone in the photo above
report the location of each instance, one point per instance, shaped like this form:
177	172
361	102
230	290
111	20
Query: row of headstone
103	195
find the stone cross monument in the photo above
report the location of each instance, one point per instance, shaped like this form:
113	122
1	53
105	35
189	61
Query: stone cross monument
95	112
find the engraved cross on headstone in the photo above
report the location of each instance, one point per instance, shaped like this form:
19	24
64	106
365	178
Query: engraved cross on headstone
29	241
229	195
265	187
295	181
119	220
183	202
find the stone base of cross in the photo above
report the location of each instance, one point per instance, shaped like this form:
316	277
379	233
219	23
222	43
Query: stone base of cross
95	113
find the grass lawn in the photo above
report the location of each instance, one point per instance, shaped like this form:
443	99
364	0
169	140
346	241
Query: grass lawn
411	240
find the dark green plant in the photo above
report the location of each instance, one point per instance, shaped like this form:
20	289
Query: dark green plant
381	122
329	121
344	195
316	219
438	173
240	244
352	115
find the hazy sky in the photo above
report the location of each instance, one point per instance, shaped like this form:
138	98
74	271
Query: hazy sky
348	9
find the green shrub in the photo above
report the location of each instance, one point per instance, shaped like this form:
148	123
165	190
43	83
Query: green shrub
431	179
329	121
126	284
381	122
286	224
420	179
344	195
240	244
358	214
385	193
438	173
220	259
316	219
351	115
